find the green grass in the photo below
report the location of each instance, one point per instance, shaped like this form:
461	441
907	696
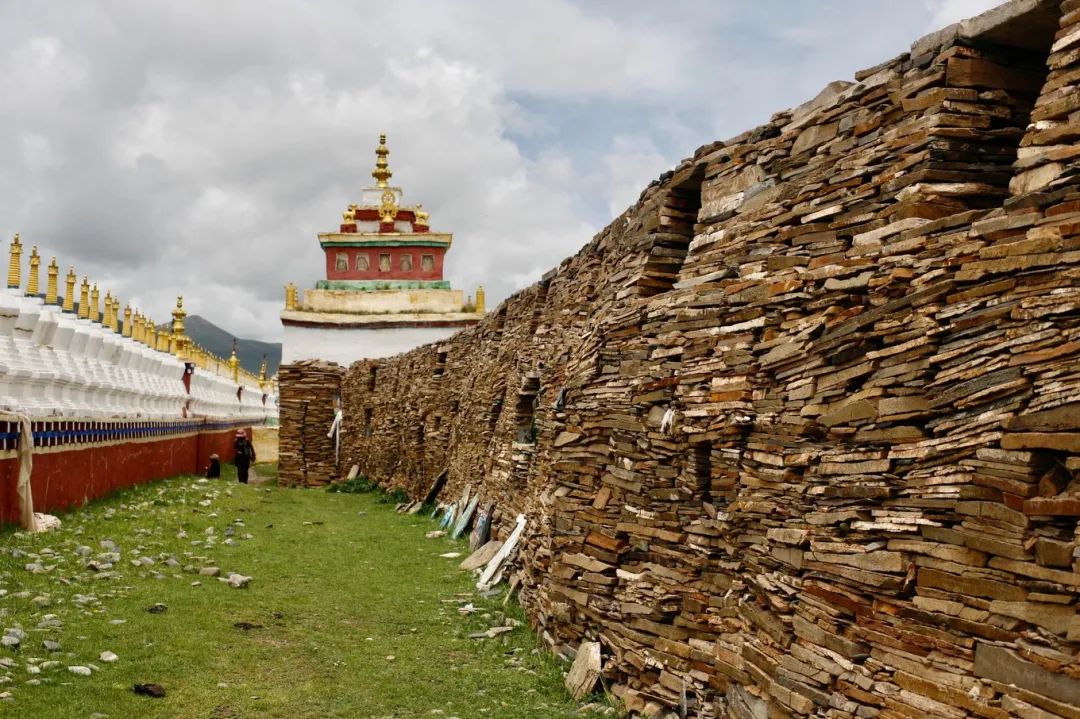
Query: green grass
358	614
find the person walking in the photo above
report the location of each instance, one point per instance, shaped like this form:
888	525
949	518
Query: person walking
244	455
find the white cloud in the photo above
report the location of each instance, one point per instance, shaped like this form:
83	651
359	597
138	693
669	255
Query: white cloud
185	148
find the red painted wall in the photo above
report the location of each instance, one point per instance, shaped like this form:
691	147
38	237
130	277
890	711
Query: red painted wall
61	480
395	272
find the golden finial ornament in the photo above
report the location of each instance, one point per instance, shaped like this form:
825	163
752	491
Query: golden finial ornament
107	319
290	296
84	299
234	363
382	172
69	291
116	314
480	299
127	320
32	278
179	340
421	217
53	273
14	277
95	307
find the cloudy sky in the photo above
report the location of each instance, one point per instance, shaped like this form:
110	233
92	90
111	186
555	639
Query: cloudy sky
197	147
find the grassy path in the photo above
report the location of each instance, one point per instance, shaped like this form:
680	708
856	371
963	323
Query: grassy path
356	614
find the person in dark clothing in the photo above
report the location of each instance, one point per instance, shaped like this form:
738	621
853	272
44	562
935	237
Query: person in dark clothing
245	455
213	470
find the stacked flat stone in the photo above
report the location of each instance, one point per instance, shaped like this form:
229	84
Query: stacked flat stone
310	391
799	433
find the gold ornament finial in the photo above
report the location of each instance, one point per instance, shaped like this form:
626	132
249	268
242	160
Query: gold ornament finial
106	321
116	314
382	172
262	373
51	282
69	291
290	296
32	278
234	363
179	340
84	299
95	307
14	277
480	299
127	320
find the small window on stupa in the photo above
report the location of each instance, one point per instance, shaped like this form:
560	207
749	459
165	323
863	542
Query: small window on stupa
363	263
427	263
406	263
384	262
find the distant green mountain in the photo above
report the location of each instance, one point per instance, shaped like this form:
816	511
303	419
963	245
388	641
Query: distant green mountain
216	340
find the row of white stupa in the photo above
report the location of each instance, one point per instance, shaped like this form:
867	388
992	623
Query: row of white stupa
53	364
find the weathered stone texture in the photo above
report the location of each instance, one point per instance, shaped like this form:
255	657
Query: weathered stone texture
804	431
310	396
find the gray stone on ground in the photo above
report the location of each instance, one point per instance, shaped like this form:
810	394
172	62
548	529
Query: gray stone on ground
238	581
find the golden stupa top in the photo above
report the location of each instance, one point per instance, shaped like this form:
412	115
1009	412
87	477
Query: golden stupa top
380	216
382	173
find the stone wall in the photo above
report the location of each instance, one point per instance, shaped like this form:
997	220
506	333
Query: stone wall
310	398
799	432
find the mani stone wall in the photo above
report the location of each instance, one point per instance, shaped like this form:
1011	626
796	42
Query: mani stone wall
310	396
798	434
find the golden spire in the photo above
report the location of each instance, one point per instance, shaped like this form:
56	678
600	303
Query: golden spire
234	363
50	288
14	275
84	299
69	292
32	279
127	320
480	299
115	314
107	320
138	329
382	172
290	296
262	373
179	341
95	307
